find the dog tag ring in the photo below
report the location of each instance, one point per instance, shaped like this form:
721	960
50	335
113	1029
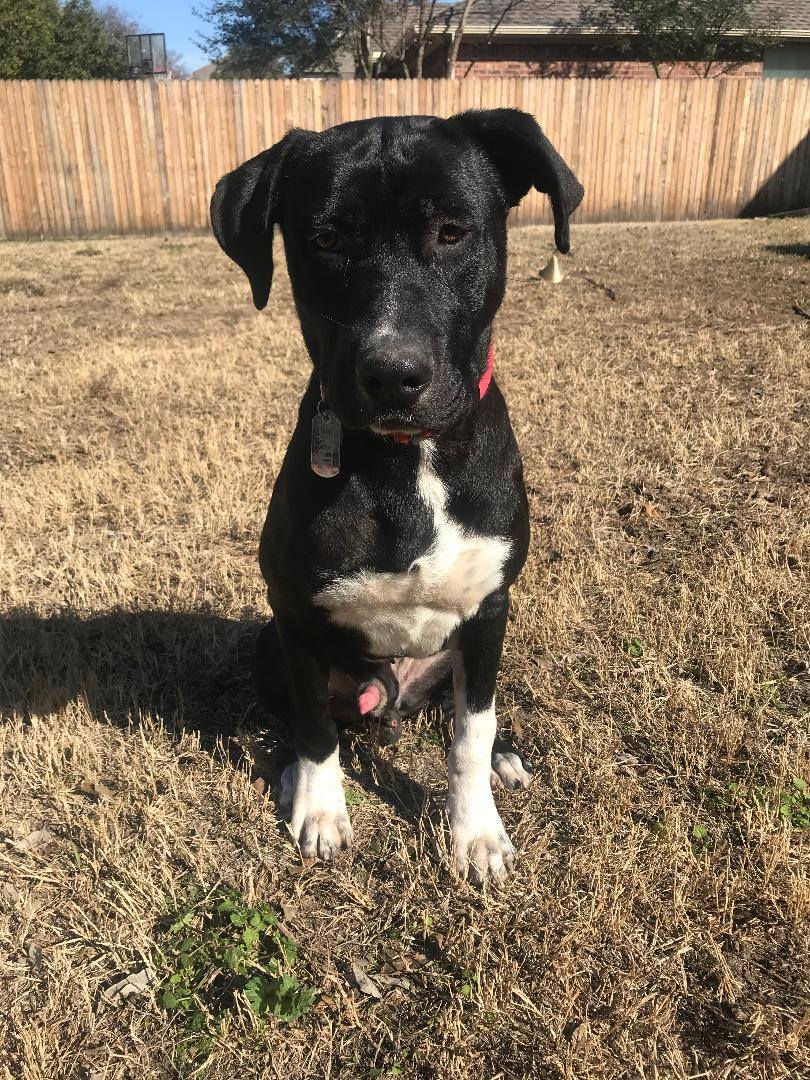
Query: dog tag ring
325	446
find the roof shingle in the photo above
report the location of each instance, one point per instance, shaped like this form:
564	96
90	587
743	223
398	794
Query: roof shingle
793	14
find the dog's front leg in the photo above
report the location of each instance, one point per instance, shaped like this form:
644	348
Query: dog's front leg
312	786
480	844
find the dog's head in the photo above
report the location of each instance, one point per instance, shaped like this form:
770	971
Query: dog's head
395	236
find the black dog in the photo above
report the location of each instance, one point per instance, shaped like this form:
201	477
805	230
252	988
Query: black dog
391	565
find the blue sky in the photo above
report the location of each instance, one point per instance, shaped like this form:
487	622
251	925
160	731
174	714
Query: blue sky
176	20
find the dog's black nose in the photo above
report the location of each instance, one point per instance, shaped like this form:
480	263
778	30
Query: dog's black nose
394	377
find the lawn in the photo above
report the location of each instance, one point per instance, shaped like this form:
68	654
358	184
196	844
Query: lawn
656	671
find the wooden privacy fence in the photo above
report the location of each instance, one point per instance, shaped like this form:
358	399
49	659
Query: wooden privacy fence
82	158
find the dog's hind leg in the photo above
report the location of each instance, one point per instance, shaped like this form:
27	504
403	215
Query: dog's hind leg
369	693
271	683
425	683
270	671
429	684
510	769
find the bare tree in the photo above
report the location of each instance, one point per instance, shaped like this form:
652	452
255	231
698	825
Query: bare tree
117	22
430	14
455	44
358	18
398	33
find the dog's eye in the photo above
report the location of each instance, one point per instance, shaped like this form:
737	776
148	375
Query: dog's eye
449	233
325	239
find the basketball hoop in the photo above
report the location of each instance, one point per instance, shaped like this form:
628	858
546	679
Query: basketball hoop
146	56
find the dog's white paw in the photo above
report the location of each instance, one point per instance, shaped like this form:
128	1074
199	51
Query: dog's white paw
509	771
481	848
312	793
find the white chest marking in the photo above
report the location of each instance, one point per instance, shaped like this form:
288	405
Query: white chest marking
414	613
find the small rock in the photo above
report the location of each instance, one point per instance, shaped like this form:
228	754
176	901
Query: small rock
95	789
130	986
364	982
625	759
36	842
9	893
36	957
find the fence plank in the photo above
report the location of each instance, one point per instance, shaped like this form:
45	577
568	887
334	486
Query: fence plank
9	166
95	158
39	164
798	142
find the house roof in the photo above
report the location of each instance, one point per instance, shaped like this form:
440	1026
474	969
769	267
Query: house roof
561	16
204	73
795	14
547	13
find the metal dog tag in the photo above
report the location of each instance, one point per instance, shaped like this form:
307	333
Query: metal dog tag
324	453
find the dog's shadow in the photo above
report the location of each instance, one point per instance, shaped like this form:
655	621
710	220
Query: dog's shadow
192	669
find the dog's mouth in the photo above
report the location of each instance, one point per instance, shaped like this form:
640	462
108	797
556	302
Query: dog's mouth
399	432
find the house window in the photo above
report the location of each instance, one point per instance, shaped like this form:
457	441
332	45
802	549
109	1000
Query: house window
787	62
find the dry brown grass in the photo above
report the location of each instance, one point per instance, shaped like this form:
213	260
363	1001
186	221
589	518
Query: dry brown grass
657	653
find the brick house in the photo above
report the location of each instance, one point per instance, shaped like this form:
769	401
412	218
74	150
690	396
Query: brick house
547	38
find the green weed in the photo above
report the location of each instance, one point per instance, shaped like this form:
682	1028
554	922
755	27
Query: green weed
217	954
730	803
633	647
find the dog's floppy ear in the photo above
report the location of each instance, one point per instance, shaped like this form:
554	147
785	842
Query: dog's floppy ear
524	157
244	209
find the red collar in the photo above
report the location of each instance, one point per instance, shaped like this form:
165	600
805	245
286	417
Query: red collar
486	378
403	437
